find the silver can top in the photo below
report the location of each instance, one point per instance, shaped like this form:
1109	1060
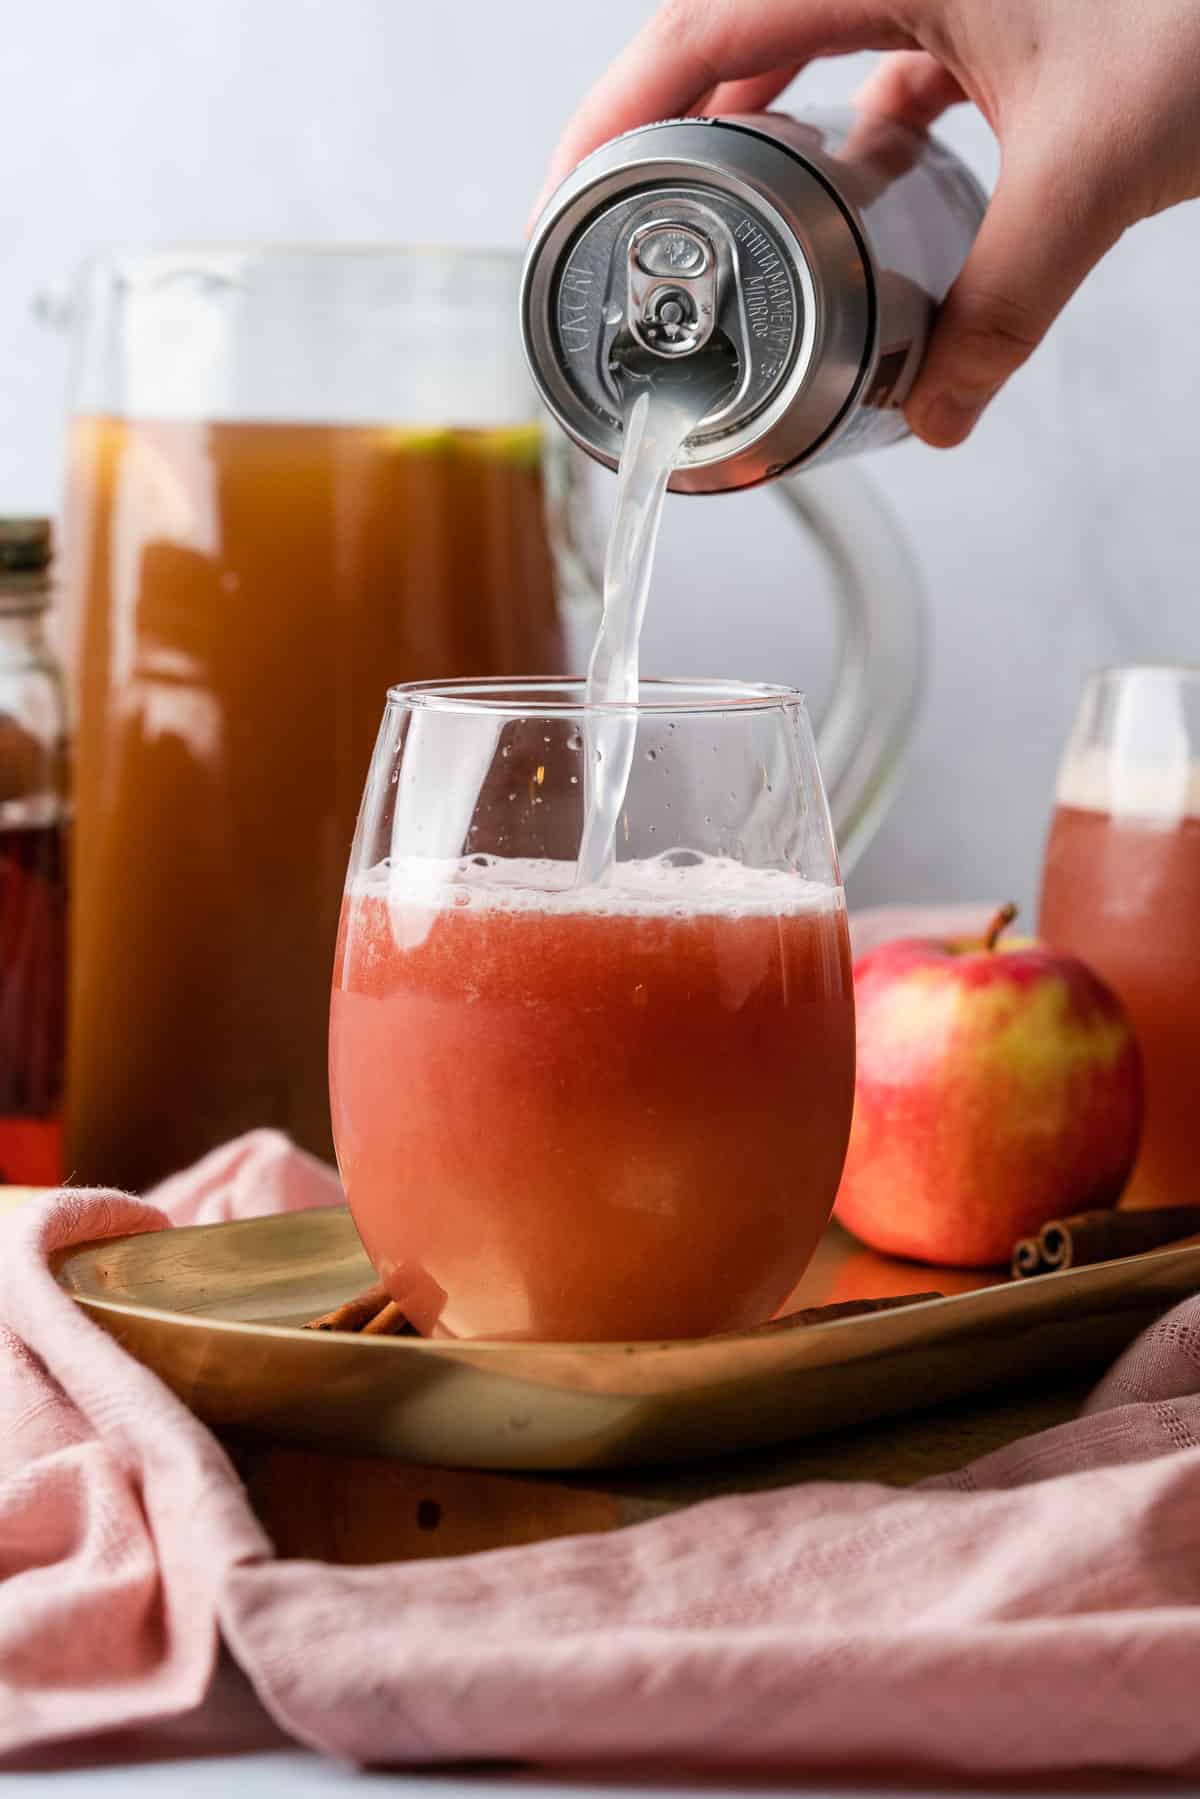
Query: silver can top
685	231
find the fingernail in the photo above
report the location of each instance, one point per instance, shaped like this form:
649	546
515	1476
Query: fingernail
949	418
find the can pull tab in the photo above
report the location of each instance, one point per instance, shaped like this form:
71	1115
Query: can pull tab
672	288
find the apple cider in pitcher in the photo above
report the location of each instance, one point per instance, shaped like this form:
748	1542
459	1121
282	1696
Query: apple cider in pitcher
242	594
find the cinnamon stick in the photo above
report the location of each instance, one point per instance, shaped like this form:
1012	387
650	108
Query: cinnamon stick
846	1308
373	1314
353	1314
389	1322
1027	1259
1103	1236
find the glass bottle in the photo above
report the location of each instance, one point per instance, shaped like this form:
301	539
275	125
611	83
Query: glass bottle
32	864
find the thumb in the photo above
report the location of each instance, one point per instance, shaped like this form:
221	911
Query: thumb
1046	226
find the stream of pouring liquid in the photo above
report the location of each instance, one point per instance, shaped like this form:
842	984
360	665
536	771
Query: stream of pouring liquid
659	417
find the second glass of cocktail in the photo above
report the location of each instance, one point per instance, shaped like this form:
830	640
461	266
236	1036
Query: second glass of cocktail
592	1108
1121	889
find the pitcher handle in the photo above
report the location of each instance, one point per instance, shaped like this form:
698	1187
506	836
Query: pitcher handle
879	665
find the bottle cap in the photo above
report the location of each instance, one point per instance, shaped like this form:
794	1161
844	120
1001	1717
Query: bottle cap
26	544
26	551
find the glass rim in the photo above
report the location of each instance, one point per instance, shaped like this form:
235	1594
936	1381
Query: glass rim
547	696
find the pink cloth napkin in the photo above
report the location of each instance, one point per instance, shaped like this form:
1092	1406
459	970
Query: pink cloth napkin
1039	1610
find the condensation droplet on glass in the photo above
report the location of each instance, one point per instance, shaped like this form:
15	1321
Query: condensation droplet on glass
651	755
574	780
574	741
612	314
505	749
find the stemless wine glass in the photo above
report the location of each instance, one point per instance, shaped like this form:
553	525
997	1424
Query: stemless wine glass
1121	889
591	1111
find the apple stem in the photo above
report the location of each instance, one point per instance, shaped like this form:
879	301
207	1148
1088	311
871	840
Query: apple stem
999	924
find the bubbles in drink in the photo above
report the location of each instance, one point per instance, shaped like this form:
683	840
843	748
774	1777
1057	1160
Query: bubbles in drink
645	886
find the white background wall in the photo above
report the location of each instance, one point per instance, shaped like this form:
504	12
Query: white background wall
1065	535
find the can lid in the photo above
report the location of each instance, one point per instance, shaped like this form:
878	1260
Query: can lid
26	545
684	232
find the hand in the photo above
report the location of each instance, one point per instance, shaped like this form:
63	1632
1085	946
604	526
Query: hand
1096	105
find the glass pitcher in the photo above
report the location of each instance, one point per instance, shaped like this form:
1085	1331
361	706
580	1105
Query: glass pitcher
296	476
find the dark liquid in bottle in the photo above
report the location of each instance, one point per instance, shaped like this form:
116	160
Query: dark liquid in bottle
32	1009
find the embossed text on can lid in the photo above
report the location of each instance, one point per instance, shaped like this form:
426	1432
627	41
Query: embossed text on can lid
680	232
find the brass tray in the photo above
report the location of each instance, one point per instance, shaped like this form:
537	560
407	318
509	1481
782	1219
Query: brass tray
215	1311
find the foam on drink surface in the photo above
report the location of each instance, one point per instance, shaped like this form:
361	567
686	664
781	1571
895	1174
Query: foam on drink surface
1159	792
672	885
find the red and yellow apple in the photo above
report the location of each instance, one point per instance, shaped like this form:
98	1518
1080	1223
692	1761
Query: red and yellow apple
999	1085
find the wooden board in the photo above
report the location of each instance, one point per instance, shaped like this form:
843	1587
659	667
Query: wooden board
215	1311
368	1509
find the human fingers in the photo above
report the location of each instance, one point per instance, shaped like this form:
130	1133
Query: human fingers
911	87
1048	223
689	48
753	94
